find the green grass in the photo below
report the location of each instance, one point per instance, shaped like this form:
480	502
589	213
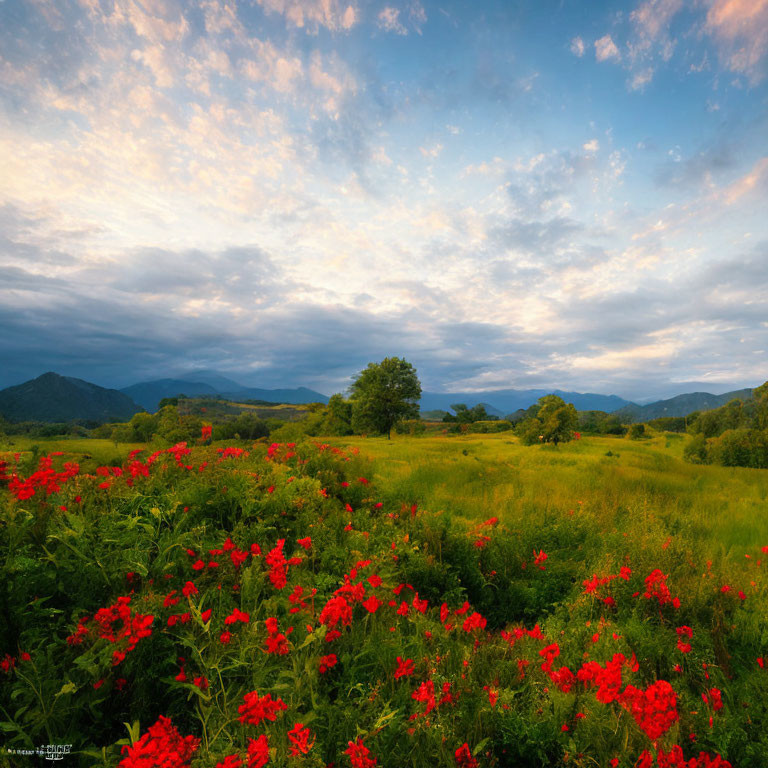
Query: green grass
610	512
77	448
643	489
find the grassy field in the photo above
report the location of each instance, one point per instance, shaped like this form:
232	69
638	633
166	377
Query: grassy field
87	450
638	486
422	601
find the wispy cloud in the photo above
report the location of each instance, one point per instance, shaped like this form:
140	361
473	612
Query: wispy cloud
605	49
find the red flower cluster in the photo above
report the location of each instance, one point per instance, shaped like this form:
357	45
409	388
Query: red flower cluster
299	738
654	709
425	694
162	745
256	709
277	642
675	759
358	755
45	478
656	586
116	623
336	611
258	752
682	632
464	757
404	668
278	565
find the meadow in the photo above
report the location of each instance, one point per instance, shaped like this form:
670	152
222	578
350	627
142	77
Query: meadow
421	601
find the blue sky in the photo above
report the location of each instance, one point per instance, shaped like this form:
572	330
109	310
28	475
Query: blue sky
507	194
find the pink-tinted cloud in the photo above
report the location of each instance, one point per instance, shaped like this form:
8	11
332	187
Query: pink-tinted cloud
606	49
741	29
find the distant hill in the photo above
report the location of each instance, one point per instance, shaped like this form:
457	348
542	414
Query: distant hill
149	393
291	396
504	401
681	405
54	398
213	379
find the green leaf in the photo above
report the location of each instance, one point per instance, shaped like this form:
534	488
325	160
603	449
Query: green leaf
480	746
66	688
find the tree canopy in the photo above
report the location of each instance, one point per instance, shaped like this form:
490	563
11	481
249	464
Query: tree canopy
383	394
555	422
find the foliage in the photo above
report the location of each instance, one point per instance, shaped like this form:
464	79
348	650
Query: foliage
289	602
636	432
735	435
338	416
669	424
555	422
463	415
383	394
600	423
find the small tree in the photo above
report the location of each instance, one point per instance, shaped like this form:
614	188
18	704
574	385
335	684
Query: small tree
554	422
338	416
383	394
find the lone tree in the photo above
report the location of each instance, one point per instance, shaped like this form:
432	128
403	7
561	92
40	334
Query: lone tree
554	422
383	394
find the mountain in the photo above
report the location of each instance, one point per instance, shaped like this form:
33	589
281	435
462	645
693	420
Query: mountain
213	379
149	393
510	400
55	398
292	396
491	411
681	405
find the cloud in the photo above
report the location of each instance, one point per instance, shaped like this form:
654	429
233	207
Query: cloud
389	20
311	14
606	49
276	69
740	28
577	47
639	80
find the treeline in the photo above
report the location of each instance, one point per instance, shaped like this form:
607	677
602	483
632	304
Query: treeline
734	435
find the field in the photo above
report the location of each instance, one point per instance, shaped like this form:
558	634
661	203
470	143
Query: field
424	601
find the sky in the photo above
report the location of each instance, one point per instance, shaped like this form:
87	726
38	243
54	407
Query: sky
507	194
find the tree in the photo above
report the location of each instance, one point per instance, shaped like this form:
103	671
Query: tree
338	416
465	415
554	422
383	394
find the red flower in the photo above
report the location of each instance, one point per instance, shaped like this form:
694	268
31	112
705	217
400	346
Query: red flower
189	589
326	662
299	738
359	755
404	668
464	757
256	709
161	745
305	543
372	604
258	752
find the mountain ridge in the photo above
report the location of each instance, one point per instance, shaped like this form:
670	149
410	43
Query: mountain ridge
55	398
680	405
